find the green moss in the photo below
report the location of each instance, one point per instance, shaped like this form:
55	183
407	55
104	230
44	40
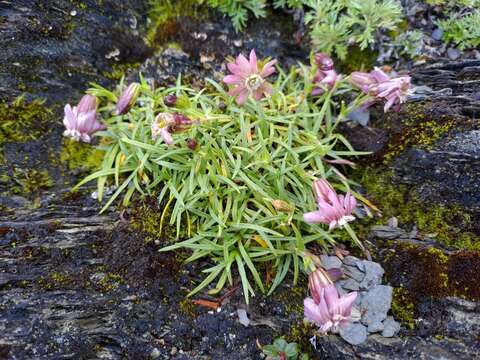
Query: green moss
187	307
26	182
77	155
358	60
56	280
446	223
22	121
163	18
120	70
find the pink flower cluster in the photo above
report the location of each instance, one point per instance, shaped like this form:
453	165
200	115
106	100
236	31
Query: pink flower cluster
81	121
326	308
333	209
393	91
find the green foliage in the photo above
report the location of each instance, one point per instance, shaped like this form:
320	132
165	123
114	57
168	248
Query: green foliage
282	350
241	194
462	30
238	10
335	25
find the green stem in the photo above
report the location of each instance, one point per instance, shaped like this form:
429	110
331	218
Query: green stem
354	236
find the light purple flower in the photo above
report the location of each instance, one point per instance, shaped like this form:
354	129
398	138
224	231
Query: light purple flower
334	210
81	121
247	79
393	91
127	99
326	76
331	310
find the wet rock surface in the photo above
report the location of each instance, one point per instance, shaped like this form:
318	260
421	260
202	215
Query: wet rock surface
54	48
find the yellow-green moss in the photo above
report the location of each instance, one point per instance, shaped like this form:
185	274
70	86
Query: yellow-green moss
403	307
77	155
26	182
22	121
120	70
163	15
447	223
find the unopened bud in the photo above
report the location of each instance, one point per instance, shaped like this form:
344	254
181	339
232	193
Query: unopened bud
127	99
191	144
324	62
170	100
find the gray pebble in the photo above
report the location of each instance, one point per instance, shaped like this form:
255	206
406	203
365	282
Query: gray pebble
437	34
349	284
354	334
354	273
391	327
373	274
375	305
330	262
453	53
350	260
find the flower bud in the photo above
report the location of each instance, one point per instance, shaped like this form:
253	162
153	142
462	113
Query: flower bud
317	281
170	100
324	62
127	99
191	144
181	119
87	103
362	80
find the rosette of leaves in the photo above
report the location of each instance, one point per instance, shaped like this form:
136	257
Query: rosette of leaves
238	10
462	29
283	350
238	198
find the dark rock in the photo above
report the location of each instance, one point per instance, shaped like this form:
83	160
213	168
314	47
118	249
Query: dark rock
54	48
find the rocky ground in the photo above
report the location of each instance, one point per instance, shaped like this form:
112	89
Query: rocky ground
76	284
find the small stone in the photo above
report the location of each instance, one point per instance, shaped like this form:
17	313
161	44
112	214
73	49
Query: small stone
373	274
330	262
349	284
437	34
238	43
73	13
155	353
350	260
243	317
390	327
360	116
375	305
453	53
375	327
354	273
173	351
354	333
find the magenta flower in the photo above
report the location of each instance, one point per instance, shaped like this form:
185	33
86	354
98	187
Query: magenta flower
326	76
81	120
165	124
331	310
247	79
393	91
334	210
127	99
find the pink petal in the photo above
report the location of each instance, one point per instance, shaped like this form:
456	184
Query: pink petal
379	75
253	61
314	217
70	118
244	65
389	104
332	300
233	79
166	136
242	97
318	313
268	69
235	69
346	303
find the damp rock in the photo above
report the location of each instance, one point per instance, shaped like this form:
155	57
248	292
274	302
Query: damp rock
390	327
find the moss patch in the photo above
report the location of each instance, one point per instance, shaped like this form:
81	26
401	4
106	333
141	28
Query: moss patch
78	155
22	121
26	182
448	224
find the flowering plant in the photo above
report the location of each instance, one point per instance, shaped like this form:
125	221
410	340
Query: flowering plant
235	177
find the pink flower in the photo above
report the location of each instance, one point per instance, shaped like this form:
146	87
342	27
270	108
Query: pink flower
393	91
165	124
81	120
331	310
247	79
127	99
326	76
334	210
